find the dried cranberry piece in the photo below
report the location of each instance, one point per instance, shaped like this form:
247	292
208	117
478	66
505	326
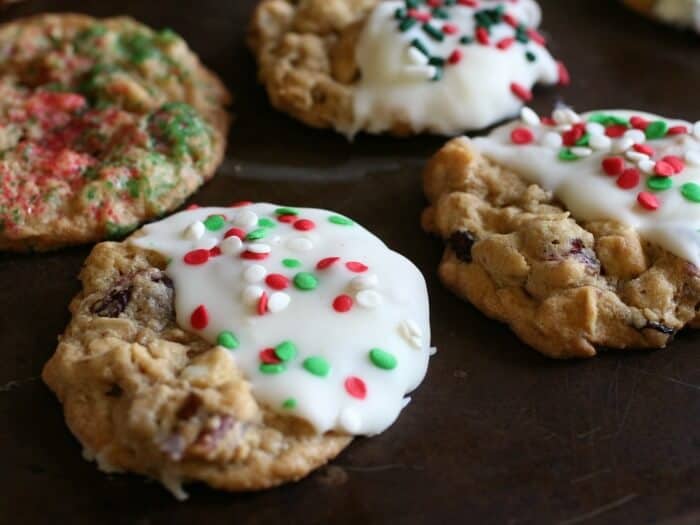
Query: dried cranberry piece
114	303
189	406
461	243
211	438
660	327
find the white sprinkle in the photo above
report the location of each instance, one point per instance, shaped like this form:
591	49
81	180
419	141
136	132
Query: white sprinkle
696	130
529	117
194	231
369	299
566	116
246	219
350	421
417	57
563	128
420	72
251	294
636	135
581	152
552	140
300	244
254	273
278	301
647	166
432	351
600	142
594	128
412	333
231	246
259	248
693	157
207	243
365	282
623	145
636	156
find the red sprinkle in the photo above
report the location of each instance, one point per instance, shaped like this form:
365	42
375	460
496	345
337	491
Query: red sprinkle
613	166
536	37
287	218
639	123
342	303
421	16
434	3
253	256
450	29
262	304
510	20
455	57
269	357
482	36
304	225
215	251
196	257
521	136
644	148
521	92
648	201
676	163
199	318
356	267
564	77
356	387
240	204
235	232
326	263
575	134
505	43
629	179
664	169
548	121
677	130
192	207
277	281
615	131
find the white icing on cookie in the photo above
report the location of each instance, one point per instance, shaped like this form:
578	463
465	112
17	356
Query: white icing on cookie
341	320
461	66
635	167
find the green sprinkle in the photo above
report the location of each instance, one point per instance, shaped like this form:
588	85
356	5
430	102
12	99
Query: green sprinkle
291	263
266	223
256	235
440	13
567	154
420	46
433	32
406	24
466	40
437	61
691	191
412	4
286	351
382	359
400	13
656	130
598	118
289	404
659	183
286	211
214	222
439	72
272	369
584	140
305	281
531	57
608	120
340	220
317	366
228	340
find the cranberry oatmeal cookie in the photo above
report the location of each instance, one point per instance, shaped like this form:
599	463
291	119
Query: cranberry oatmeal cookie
681	13
105	124
401	66
242	347
580	232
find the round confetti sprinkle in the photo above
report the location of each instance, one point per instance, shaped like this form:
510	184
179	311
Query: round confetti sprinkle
567	155
252	256
291	263
382	359
227	339
564	77
613	166
240	204
214	222
368	299
289	404
664	169
340	220
215	251
194	231
254	273
304	225
628	179
305	281
286	211
266	223
644	149
256	235
277	281
342	303
522	136
317	366
235	232
199	318
287	219
272	369
326	263
262	304
277	302
639	123
356	387
648	201
677	130
615	131
455	57
269	356
196	257
192	207
656	130
286	351
659	183
231	245
691	191
356	267
676	163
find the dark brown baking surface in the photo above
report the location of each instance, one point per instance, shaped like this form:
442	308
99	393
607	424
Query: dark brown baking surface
496	434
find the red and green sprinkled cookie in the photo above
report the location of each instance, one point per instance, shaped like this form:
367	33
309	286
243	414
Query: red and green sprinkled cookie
106	123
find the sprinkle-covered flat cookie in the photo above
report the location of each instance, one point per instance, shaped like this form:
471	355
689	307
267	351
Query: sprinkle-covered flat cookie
105	123
580	231
402	66
682	13
240	346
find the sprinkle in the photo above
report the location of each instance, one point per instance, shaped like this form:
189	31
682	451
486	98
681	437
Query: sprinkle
595	128
194	231
269	356
536	37
256	235
529	116
677	130
259	248
326	263
286	351
240	204
291	263
466	40
254	273
305	281
406	24
412	333
623	144
575	134
664	169
639	123
246	219
635	156
278	301
251	294
356	387
342	303
563	73
508	19
215	252
644	149
192	207
227	339
289	403
300	244
253	256
231	246
262	304
505	43
567	155
340	220
317	366
199	318
691	191
659	183
196	257
696	130
647	166
615	131
636	135
581	152
656	130
600	142
647	200
482	36
522	136
369	299
271	369
552	140
287	219
433	32
356	267
277	281
304	225
364	282
235	232
214	222
382	359
613	166
450	29
416	57
455	57
676	163
266	223
628	179
693	157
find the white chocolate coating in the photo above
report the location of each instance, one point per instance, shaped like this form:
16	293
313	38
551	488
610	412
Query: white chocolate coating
591	194
474	93
389	310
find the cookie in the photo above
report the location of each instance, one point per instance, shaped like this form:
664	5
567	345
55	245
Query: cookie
580	232
242	347
106	123
401	67
682	13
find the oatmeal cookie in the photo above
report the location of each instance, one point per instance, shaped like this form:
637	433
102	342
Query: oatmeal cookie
401	66
682	13
579	232
242	347
105	124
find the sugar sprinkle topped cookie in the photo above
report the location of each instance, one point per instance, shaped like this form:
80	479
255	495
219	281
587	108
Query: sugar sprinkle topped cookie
293	322
404	67
682	13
